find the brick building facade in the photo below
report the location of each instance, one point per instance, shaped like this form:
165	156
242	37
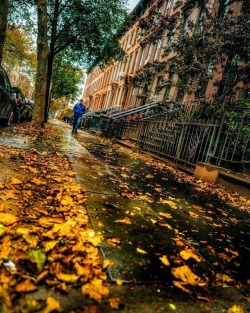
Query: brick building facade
113	87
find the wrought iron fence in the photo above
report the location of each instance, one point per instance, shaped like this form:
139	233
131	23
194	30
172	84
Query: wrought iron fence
222	140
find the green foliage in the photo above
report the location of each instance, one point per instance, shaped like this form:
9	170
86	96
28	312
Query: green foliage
65	79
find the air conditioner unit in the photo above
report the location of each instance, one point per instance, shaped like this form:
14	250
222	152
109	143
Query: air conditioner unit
121	74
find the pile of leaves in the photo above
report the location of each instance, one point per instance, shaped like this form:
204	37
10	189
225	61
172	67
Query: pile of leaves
45	235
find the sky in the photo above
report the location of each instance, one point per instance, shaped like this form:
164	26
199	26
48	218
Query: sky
132	4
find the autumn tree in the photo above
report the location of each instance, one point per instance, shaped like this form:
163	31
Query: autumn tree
19	53
4	7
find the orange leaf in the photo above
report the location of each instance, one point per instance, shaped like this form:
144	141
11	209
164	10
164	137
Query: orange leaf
25	286
189	253
8	218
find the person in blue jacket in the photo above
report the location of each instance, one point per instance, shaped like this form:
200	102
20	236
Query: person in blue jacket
79	109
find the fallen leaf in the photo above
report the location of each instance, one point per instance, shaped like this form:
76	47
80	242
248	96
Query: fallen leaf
114	302
8	219
167	215
25	286
95	290
37	181
2	230
189	253
236	308
38	256
52	305
165	260
141	251
172	204
125	220
185	274
68	278
15	181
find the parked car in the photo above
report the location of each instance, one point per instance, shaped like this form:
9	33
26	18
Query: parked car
20	104
7	99
24	107
28	110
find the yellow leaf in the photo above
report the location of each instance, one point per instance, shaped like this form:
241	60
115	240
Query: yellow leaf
141	251
185	274
33	170
67	200
119	282
107	263
167	215
82	270
22	231
189	253
126	220
114	302
32	240
37	181
236	309
68	278
165	260
8	218
25	286
95	290
170	203
49	245
52	305
165	225
193	214
172	306
5	248
15	181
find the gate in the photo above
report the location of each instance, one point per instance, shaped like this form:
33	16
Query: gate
182	141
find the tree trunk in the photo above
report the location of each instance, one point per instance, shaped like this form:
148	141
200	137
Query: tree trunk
4	8
42	64
48	82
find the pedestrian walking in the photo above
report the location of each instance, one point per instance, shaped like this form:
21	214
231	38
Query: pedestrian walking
79	109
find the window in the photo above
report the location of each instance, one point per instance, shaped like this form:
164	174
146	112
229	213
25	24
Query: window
160	9
134	63
185	22
158	47
230	74
223	8
142	56
168	88
168	7
246	6
149	53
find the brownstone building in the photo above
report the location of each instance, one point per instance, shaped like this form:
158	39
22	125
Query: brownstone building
113	86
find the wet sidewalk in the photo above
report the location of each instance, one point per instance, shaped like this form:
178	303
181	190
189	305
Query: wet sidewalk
153	221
